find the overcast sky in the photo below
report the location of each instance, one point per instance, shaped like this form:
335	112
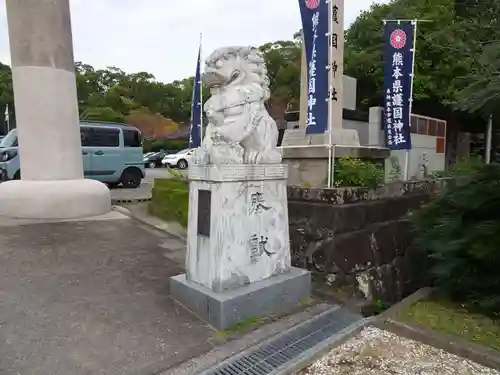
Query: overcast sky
161	36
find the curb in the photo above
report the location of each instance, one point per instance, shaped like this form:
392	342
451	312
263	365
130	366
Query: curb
440	340
405	303
128	201
128	213
451	344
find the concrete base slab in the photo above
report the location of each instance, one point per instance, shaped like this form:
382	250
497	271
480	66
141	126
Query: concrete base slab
112	215
58	199
222	310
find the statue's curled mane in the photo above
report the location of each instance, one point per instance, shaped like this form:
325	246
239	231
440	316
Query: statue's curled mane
240	131
248	58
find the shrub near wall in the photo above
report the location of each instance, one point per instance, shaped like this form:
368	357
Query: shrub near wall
461	233
170	200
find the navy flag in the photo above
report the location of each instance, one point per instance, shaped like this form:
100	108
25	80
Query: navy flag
315	26
196	107
398	67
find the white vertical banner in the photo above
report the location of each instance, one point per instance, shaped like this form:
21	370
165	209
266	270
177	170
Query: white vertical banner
335	78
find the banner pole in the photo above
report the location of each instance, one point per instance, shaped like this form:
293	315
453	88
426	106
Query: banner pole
487	148
410	106
330	93
201	94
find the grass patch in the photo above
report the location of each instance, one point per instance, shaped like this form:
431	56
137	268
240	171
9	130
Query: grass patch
170	200
453	319
240	326
306	302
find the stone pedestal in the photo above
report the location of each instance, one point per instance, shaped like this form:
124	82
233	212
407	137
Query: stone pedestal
43	73
238	256
340	136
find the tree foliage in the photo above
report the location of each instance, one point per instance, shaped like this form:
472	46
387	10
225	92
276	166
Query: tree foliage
283	67
459	230
152	125
446	65
447	51
443	49
158	108
481	93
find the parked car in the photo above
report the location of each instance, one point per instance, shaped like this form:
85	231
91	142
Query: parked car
111	153
153	159
179	159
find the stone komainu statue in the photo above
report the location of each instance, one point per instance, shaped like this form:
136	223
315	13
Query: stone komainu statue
240	130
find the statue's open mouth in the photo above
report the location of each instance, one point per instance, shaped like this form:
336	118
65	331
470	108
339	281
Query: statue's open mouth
213	79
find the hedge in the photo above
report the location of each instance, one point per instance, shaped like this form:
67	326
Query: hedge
170	200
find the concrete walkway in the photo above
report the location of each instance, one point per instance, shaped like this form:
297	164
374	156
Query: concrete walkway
91	297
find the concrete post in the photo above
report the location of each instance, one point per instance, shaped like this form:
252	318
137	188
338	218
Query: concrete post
52	184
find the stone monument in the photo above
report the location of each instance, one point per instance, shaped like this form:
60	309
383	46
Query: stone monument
238	249
308	155
52	184
340	135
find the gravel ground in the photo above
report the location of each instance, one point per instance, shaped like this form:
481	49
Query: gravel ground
378	352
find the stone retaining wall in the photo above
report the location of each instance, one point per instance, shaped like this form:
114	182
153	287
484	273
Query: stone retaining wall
359	240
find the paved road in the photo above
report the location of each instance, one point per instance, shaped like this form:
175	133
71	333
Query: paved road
144	191
151	174
92	298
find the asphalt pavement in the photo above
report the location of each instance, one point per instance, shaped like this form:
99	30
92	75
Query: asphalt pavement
144	191
92	297
152	173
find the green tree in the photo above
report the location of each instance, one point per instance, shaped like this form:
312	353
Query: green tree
6	97
481	93
102	114
283	67
446	49
110	94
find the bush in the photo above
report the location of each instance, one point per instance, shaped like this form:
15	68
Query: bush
170	200
466	166
155	145
461	168
460	231
353	172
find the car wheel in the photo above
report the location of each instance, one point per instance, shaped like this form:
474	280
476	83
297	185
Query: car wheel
131	178
17	175
152	164
182	164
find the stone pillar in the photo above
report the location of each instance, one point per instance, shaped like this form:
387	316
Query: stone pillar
52	184
340	135
336	21
375	128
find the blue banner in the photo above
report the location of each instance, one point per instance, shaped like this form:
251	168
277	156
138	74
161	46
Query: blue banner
196	108
315	20
398	65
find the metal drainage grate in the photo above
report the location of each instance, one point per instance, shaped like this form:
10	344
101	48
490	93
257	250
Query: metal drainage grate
275	353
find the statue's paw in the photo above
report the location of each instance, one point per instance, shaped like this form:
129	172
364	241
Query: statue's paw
225	153
250	156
